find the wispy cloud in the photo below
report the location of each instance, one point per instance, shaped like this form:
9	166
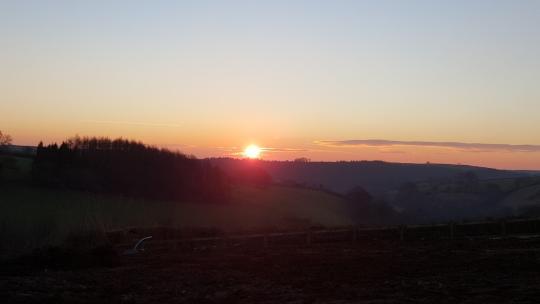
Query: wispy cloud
284	150
471	147
132	123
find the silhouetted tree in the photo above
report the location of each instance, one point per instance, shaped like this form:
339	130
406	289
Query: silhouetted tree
359	195
367	210
128	168
5	139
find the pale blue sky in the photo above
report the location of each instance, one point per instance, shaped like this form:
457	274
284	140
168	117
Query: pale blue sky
230	72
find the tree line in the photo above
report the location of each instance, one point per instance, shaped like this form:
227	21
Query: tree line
129	168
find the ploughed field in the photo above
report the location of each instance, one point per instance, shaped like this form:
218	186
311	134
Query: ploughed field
437	271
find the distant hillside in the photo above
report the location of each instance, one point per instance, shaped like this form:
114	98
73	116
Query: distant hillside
469	200
524	201
375	176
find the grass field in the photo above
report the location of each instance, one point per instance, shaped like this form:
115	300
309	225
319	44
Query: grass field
15	168
32	217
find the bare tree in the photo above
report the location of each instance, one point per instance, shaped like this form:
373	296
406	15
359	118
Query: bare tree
5	140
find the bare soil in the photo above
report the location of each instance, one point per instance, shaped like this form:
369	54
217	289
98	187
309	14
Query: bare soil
480	271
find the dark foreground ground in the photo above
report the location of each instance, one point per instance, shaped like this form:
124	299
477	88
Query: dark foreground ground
485	271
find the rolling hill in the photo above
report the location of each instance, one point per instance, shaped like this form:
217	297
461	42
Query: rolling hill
33	217
375	176
524	201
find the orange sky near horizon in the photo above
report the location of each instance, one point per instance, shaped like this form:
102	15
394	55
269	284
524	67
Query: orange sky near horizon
276	148
442	82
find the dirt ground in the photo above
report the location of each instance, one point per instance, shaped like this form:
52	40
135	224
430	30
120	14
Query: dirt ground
480	271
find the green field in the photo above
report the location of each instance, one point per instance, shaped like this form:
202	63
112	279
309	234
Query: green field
32	217
14	168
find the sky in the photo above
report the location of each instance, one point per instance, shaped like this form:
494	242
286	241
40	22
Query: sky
405	81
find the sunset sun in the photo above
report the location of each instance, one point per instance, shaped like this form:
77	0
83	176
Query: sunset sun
252	151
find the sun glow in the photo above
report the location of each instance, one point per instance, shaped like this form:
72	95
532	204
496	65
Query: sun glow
252	151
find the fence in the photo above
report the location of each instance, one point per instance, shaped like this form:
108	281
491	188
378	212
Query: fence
451	231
